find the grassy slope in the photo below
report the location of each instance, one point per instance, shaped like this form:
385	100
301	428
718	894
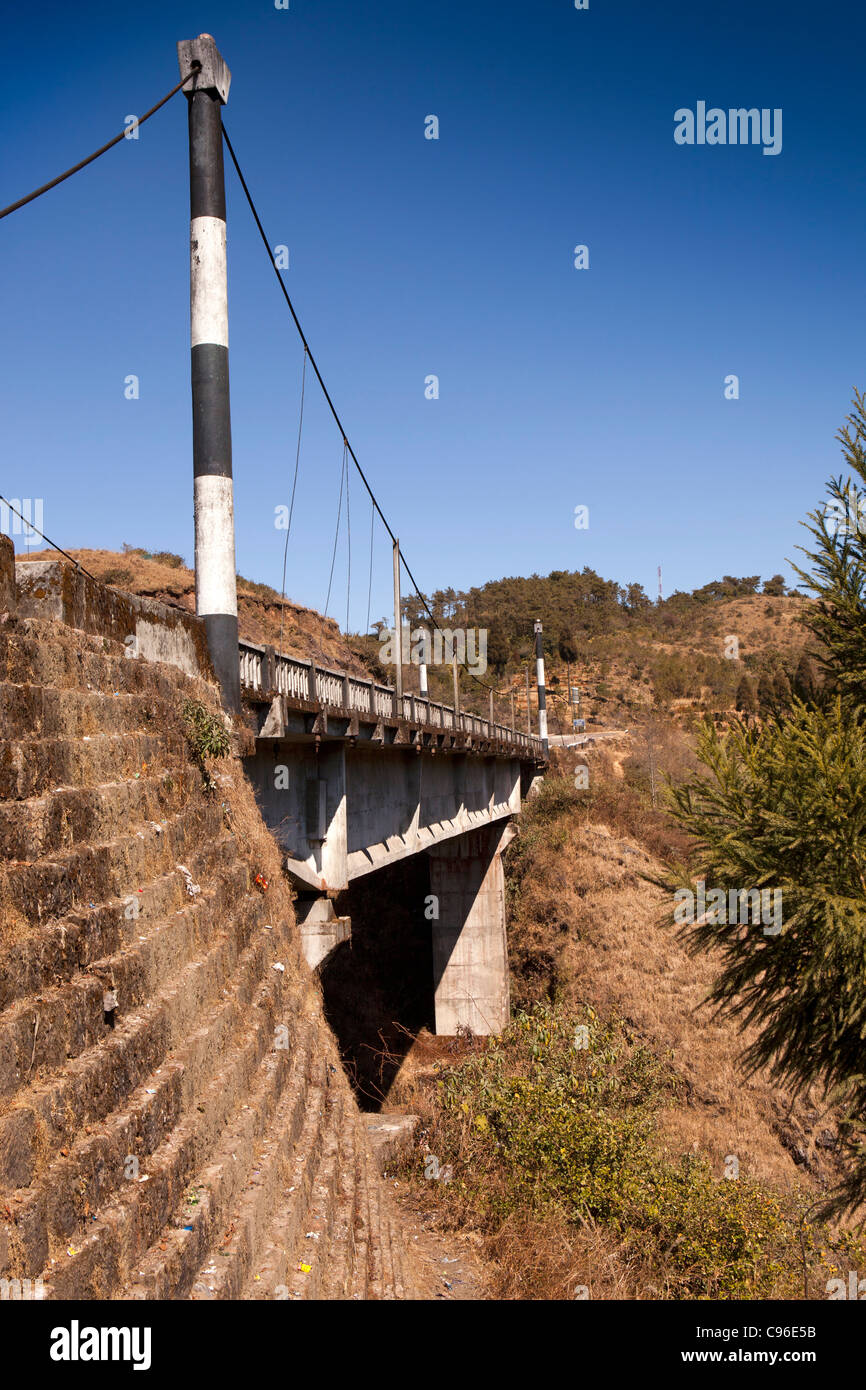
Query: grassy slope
587	939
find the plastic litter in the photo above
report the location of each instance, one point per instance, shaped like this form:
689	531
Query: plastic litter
191	888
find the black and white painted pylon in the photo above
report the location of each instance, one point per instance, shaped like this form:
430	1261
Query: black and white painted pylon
542	693
215	573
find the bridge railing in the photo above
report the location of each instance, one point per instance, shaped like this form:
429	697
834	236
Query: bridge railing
262	669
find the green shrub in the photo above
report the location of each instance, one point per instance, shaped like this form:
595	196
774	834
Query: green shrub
118	578
205	732
552	1122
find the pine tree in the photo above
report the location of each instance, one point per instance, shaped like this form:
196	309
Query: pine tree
838	575
775	587
782	809
766	693
747	696
781	689
807	678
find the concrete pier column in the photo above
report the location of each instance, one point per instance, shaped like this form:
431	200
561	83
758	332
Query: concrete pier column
470	951
321	929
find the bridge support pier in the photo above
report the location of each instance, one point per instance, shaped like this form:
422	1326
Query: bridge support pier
470	951
321	929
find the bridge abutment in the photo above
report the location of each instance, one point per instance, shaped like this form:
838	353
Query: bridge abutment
470	949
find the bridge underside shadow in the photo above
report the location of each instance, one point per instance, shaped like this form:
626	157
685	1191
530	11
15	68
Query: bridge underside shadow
378	987
396	854
427	949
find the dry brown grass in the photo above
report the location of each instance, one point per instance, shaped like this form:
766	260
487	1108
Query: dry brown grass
305	633
589	926
553	1259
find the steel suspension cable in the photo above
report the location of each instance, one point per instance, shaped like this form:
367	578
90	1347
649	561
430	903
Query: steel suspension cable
326	393
370	584
348	550
343	471
50	544
83	163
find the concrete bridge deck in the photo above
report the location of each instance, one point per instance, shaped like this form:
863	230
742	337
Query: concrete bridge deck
307	699
339	808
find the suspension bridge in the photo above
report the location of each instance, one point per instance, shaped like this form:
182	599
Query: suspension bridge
351	775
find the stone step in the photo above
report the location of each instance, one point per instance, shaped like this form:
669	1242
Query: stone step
379	1268
59	950
303	1283
92	873
337	1275
32	768
58	822
377	1283
273	1265
33	713
35	651
276	1185
361	1284
243	1079
178	1260
49	1116
68	1018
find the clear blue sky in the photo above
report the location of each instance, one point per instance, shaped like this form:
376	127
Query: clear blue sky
454	257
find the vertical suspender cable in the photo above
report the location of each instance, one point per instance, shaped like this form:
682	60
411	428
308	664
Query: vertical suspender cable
348	547
292	504
343	469
370	584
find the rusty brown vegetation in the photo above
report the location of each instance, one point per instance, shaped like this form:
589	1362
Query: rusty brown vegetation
588	938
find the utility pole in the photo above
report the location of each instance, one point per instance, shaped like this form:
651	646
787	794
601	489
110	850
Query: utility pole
398	631
491	707
528	715
422	676
542	696
215	573
513	724
456	691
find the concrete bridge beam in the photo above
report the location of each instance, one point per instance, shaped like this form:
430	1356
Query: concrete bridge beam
301	792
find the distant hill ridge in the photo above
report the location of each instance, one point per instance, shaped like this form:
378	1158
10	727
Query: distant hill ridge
626	653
